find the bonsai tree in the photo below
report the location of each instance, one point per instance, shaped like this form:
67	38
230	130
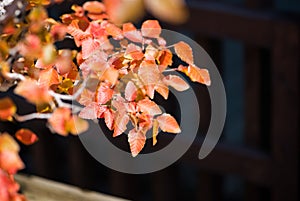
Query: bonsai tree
113	74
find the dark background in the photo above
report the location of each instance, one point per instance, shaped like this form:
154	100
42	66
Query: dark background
256	46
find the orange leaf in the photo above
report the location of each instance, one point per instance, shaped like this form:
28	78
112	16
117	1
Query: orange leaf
9	158
7	109
196	74
164	59
78	34
76	125
86	97
167	123
151	29
94	7
176	82
110	75
26	136
163	90
184	52
134	52
137	140
114	31
90	111
32	92
109	119
149	107
48	77
58	120
155	132
130	91
130	32
173	11
64	62
120	124
104	93
89	46
149	73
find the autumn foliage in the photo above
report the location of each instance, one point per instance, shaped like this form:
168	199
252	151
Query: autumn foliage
114	73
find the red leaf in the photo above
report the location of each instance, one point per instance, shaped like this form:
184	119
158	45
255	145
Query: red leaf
26	136
130	32
149	107
137	140
32	92
7	109
130	91
151	29
167	123
196	74
176	82
184	52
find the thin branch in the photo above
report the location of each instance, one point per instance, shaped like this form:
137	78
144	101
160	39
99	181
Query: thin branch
32	116
15	76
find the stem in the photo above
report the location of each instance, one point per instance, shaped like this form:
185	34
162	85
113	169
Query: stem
15	76
32	116
170	70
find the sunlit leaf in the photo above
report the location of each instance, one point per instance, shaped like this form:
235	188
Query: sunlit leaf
162	89
164	59
120	124
121	11
130	91
176	82
151	29
134	52
7	108
114	31
58	121
26	136
77	125
110	75
130	32
33	92
184	52
155	132
64	62
104	93
94	7
167	123
196	74
172	11
78	34
9	158
137	140
109	119
86	97
92	111
149	107
48	78
89	46
149	73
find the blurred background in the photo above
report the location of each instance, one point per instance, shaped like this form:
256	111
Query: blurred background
256	46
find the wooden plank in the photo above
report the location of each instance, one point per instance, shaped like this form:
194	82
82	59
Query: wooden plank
285	112
224	21
39	189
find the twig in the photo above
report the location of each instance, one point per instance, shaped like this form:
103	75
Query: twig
32	116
